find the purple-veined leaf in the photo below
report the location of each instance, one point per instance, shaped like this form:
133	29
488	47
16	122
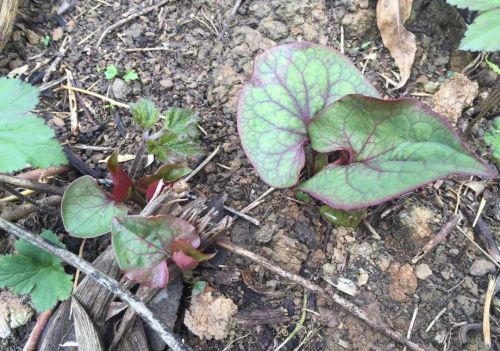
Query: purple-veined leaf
290	85
141	244
86	210
393	147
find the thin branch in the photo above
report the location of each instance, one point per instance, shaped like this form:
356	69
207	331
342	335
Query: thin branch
109	283
37	331
348	306
99	96
30	184
128	19
24	198
27	209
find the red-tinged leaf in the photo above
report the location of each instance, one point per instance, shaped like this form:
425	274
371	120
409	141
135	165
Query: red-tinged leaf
183	261
121	181
154	277
188	248
169	173
152	189
140	243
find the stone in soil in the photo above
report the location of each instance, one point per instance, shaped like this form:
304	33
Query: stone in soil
418	220
120	88
287	252
423	271
481	267
404	282
13	313
454	96
210	317
265	233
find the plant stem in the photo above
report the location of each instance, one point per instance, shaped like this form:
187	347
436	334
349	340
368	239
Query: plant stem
109	283
138	155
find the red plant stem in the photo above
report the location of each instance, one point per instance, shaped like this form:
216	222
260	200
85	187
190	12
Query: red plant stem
41	322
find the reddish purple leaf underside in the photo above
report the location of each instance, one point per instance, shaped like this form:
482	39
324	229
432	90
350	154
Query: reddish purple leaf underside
122	184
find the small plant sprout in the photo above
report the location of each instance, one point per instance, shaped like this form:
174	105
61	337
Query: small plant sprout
375	149
130	76
45	40
144	245
111	72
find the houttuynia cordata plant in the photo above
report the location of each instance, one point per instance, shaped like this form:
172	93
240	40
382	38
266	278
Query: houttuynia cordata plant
144	245
303	92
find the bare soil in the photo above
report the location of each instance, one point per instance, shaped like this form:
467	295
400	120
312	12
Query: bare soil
207	56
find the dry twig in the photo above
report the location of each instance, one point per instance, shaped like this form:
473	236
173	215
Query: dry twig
30	184
112	285
37	331
348	306
128	19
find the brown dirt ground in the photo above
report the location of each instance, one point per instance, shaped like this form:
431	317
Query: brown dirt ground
207	61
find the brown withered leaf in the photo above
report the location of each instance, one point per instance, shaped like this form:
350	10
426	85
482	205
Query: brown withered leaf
391	17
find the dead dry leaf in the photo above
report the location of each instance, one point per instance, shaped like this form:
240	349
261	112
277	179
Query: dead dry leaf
391	17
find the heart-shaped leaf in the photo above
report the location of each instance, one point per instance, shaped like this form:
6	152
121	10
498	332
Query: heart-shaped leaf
290	85
122	184
142	243
393	147
86	210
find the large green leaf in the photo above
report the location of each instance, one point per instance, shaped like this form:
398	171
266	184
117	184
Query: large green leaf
393	147
33	271
142	245
290	84
484	33
475	5
24	138
86	210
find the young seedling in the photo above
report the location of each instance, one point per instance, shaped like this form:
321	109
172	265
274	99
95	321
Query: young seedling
111	72
144	245
130	76
302	93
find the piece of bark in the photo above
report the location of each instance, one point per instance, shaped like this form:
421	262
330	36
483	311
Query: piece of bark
263	316
87	337
91	295
8	10
136	340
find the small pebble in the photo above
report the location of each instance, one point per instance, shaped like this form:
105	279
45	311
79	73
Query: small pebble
481	267
422	271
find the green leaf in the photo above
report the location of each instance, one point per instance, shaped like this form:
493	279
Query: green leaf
168	172
36	272
343	218
130	76
111	72
86	210
494	67
290	85
492	138
484	33
179	138
393	147
141	243
24	138
475	5
144	113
